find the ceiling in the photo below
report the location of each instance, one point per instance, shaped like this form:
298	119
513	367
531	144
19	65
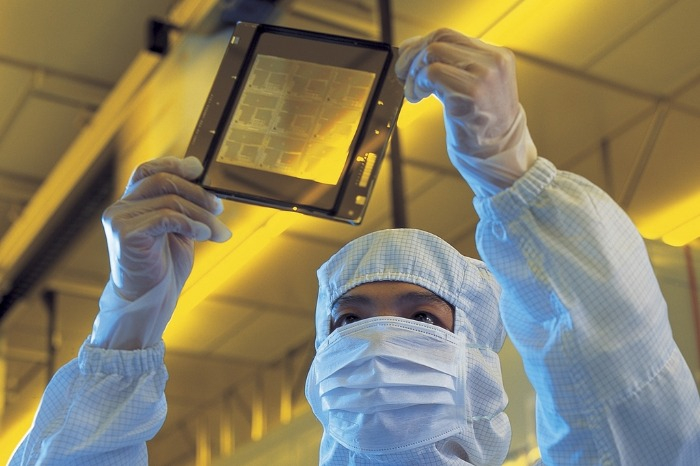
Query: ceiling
611	89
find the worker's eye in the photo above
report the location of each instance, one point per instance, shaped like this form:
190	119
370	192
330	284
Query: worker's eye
345	319
426	317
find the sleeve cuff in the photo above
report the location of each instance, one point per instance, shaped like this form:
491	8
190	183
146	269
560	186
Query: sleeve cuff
128	363
509	203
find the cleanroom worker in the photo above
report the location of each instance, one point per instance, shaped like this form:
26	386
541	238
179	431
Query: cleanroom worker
408	330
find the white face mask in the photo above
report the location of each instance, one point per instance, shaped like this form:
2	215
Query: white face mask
388	384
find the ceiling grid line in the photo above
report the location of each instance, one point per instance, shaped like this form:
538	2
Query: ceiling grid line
585	76
645	151
627	33
499	18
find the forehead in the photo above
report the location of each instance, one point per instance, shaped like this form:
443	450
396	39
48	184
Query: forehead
385	289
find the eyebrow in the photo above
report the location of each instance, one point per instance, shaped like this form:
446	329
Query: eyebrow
349	300
424	297
409	297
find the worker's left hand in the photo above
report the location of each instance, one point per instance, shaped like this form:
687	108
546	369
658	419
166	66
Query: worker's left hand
475	82
150	234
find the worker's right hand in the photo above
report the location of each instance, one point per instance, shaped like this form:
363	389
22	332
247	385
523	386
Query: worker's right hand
150	234
152	228
487	136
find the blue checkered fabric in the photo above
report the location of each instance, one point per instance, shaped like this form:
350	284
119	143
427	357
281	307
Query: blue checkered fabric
99	409
579	300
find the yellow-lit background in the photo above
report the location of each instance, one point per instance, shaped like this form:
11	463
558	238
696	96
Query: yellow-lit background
611	91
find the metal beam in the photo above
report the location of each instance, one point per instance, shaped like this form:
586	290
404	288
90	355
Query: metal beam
53	333
398	199
89	153
640	164
3	374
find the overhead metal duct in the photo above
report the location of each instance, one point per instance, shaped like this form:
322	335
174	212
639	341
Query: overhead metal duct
77	187
86	202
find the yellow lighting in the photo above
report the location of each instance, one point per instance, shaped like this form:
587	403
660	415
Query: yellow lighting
684	234
226	432
13	433
413	113
519	461
676	225
166	112
216	265
257	421
534	455
80	158
533	25
202	444
525	459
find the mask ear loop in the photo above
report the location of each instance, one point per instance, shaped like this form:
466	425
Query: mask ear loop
460	330
461	322
462	370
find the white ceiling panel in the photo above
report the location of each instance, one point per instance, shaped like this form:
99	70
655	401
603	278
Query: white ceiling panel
611	165
200	329
29	337
444	204
357	18
16	83
38	136
31	319
90	39
624	150
591	167
690	96
676	151
471	17
660	57
568	115
85	258
31	381
75	315
269	337
75	92
288	271
573	32
209	376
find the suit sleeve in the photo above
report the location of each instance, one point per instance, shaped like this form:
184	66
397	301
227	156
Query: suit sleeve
99	409
582	306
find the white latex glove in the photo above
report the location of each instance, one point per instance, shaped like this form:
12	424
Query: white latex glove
487	136
150	236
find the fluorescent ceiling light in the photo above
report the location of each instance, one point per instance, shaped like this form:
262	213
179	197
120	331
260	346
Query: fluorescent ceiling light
677	224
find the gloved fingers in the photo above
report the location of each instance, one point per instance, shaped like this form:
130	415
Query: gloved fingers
451	48
410	48
185	218
453	86
447	82
412	59
439	64
165	183
154	223
188	168
165	213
